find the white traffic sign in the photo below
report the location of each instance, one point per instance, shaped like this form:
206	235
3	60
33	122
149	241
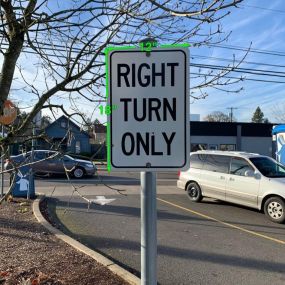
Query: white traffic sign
149	99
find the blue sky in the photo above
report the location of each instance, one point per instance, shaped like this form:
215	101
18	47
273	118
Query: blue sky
265	29
257	23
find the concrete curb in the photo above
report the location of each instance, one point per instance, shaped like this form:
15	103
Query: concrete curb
126	275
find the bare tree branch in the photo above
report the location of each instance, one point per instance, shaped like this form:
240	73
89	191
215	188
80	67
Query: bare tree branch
58	51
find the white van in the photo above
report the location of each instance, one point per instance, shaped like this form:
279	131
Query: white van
248	179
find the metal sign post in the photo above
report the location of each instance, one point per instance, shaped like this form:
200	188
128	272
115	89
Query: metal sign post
148	228
8	117
31	173
148	125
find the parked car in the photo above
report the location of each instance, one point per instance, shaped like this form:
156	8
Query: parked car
248	179
53	162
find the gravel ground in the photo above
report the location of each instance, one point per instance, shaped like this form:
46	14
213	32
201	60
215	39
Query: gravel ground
29	255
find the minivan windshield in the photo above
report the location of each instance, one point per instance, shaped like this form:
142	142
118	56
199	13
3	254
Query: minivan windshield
268	167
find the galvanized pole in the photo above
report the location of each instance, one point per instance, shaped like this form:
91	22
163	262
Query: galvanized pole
148	229
2	167
31	173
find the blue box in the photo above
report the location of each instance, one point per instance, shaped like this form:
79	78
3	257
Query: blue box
24	183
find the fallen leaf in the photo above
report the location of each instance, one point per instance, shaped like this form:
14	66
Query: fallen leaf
35	282
10	198
4	273
23	210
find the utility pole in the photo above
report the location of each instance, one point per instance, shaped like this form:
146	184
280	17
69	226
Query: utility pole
231	113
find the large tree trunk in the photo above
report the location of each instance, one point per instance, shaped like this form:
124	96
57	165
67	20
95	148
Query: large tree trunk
14	32
8	67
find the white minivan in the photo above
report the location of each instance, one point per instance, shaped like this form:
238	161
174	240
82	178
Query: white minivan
248	179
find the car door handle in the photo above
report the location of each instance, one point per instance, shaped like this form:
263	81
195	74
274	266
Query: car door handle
223	177
232	179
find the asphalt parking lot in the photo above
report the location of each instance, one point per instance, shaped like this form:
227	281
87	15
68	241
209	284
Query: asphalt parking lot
207	243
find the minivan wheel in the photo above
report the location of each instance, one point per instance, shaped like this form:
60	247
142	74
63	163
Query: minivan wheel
78	172
274	209
194	192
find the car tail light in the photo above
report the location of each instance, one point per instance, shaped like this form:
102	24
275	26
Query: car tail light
179	172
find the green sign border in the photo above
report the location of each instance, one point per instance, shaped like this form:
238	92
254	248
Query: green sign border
107	50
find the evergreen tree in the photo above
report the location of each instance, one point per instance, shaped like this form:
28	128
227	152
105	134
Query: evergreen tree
258	116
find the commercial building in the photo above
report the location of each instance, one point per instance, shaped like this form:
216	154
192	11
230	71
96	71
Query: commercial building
249	137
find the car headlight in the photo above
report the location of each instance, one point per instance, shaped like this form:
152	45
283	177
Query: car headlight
89	165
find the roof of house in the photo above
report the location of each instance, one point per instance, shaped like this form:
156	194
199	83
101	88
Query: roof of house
56	123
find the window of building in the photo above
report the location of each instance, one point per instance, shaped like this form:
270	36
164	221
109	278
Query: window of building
239	166
213	146
63	124
228	147
198	146
217	163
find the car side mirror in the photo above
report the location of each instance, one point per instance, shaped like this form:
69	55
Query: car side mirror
249	173
257	175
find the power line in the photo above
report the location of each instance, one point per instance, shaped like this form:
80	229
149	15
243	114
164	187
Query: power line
263	8
62	48
246	49
236	60
238	78
78	49
55	47
51	46
252	71
261	72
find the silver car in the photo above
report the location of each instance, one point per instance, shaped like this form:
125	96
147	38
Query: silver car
247	179
52	162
